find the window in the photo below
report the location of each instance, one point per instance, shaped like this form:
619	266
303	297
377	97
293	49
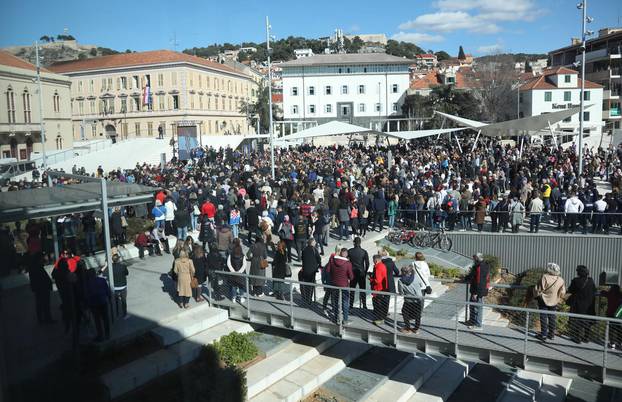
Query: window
173	78
92	106
200	101
136	103
123	82
328	90
294	91
586	116
10	100
109	87
160	102
79	86
311	90
160	80
103	87
137	129
149	128
191	101
26	101
344	89
80	108
135	82
294	109
586	95
361	107
394	88
56	101
567	96
91	85
312	109
395	107
123	105
175	102
378	107
93	130
361	89
567	79
328	108
548	96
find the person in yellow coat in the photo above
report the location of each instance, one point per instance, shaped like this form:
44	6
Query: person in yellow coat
184	268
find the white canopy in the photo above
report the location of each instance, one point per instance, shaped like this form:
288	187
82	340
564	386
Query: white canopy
410	135
461	120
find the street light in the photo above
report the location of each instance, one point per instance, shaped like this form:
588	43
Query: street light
268	28
584	33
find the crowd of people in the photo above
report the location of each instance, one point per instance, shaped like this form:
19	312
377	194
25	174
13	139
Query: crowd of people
223	200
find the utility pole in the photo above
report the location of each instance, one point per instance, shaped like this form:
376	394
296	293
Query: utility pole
584	33
40	104
270	128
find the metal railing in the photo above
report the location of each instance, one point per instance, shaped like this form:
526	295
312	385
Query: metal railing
582	343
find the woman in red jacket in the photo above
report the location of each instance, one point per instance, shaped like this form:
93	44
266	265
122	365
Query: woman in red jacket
379	282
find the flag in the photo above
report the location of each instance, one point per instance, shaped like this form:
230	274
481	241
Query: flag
146	95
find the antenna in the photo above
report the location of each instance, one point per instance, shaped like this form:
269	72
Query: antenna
174	42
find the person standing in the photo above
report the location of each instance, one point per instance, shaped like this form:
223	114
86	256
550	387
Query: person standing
581	301
97	298
380	206
311	264
479	282
549	291
392	211
286	233
536	207
360	265
184	268
169	217
224	239
614	302
410	286
41	286
573	208
120	272
252	221
236	263
200	271
340	275
301	235
279	271
182	218
517	211
90	235
234	221
379	283
159	214
258	256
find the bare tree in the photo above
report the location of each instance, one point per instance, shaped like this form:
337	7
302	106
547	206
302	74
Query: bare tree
498	82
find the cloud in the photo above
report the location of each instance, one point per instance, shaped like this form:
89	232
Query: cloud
415	37
478	16
490	49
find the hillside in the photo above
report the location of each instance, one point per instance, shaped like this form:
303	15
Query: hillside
62	50
510	57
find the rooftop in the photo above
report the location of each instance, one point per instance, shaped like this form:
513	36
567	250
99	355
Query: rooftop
465	79
7	59
348	58
136	59
542	81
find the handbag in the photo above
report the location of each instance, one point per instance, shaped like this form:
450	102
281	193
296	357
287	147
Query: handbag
263	263
194	283
123	222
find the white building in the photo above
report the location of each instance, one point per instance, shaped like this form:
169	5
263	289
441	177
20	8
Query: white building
560	88
357	88
300	53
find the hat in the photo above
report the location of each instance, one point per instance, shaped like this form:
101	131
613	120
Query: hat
479	257
552	268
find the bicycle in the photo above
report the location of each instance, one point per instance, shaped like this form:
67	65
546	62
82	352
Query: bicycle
431	239
401	236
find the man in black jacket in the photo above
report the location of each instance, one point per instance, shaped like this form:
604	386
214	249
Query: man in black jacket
311	264
380	206
120	274
479	282
360	265
252	220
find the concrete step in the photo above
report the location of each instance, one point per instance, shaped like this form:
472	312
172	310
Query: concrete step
268	371
405	382
554	389
366	374
484	381
523	387
139	372
299	383
443	383
190	323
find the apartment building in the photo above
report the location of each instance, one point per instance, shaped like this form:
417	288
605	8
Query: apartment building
603	65
356	88
20	119
140	94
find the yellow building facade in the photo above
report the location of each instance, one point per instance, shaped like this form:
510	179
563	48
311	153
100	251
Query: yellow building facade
142	94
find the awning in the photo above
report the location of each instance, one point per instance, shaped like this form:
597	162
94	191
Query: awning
67	199
329	129
461	120
411	135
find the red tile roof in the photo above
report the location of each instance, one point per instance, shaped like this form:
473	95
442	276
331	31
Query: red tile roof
425	56
277	98
541	81
7	59
465	79
135	59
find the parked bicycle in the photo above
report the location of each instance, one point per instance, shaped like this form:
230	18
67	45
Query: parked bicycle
402	236
438	239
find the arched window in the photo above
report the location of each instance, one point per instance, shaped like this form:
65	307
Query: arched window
26	101
59	142
10	101
56	100
28	146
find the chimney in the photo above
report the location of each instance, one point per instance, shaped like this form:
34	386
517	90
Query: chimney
575	41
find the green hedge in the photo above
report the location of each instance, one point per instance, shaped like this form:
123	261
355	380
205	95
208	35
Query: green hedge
445	273
236	348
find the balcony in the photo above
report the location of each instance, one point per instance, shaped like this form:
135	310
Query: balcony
612	114
600	54
609	94
604	75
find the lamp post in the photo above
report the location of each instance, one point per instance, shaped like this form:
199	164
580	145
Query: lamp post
584	33
40	104
271	131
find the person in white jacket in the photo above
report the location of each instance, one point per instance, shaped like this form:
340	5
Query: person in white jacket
573	208
169	217
236	263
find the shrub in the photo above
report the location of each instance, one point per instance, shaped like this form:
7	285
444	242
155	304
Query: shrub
494	263
236	348
529	278
443	272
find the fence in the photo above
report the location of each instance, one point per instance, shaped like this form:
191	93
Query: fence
580	344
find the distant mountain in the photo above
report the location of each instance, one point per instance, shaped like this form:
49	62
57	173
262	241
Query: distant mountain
62	50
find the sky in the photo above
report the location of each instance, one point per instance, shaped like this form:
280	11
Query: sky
480	26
